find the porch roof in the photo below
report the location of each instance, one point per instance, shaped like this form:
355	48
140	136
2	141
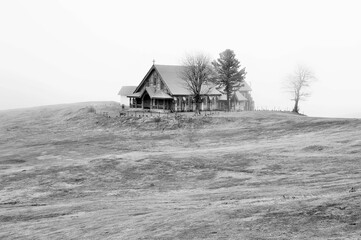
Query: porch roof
152	94
136	95
157	93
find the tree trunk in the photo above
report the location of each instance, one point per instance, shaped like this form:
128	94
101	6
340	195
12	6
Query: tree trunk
198	104
296	108
228	103
198	108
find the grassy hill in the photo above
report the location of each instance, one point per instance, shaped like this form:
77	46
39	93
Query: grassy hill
67	171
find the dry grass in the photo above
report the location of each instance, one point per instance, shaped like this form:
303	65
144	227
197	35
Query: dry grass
68	172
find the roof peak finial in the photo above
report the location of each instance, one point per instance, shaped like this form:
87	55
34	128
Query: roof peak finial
153	61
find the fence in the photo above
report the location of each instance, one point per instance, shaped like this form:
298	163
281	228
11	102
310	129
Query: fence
141	113
148	113
275	109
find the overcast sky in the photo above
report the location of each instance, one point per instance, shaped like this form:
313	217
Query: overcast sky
73	51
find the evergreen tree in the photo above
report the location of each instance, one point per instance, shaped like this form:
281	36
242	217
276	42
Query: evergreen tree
228	76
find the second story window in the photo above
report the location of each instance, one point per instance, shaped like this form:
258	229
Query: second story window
154	79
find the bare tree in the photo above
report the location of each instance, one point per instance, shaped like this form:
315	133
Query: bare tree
197	73
298	84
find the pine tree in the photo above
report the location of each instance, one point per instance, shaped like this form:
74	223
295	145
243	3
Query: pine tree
228	76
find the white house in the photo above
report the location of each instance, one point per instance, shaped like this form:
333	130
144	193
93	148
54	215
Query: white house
124	92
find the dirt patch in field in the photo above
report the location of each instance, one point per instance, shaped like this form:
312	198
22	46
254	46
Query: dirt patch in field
13	161
30	217
315	148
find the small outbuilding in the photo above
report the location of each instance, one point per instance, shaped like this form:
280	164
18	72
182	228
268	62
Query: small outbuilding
124	92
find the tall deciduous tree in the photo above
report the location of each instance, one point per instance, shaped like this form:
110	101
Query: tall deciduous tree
197	72
229	75
298	84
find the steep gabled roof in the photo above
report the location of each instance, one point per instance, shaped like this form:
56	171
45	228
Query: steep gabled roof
245	87
171	75
126	90
237	94
240	96
136	95
210	89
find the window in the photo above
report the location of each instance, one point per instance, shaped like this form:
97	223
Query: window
161	84
155	79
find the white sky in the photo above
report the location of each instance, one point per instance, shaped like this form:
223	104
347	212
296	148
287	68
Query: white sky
71	51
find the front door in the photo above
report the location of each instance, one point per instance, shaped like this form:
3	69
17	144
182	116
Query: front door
146	101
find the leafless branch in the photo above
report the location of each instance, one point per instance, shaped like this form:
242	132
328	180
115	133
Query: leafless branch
298	84
197	74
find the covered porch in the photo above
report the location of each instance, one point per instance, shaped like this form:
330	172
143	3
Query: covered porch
150	99
186	103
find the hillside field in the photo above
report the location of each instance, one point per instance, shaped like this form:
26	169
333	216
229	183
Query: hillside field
69	172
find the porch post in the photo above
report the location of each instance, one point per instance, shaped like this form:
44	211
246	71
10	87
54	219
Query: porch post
163	103
142	103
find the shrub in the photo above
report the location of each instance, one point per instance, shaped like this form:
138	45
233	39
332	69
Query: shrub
157	119
91	109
